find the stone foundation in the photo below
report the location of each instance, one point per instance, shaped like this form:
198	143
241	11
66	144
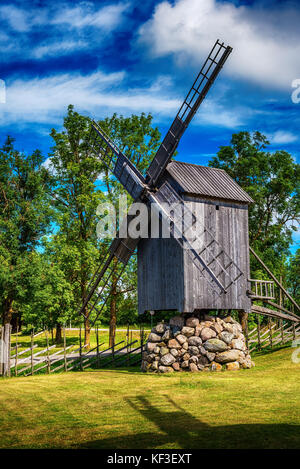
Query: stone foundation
192	344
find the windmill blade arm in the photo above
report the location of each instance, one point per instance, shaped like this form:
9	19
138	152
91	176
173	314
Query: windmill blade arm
112	265
116	162
194	98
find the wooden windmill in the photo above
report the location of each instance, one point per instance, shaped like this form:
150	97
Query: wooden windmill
206	271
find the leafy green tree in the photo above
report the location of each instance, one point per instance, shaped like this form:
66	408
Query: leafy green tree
139	141
272	180
76	171
80	176
52	303
25	216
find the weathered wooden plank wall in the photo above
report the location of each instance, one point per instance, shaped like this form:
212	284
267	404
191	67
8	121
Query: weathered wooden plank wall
168	280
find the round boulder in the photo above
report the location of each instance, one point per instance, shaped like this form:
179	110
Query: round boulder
167	359
173	343
228	356
207	333
226	337
215	345
194	340
192	322
188	331
153	337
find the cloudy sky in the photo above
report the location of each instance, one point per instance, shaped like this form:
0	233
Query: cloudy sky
132	57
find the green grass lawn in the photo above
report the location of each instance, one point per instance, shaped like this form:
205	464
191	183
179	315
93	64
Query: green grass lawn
257	408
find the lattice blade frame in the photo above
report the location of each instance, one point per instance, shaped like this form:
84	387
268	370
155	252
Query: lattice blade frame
207	75
113	264
116	162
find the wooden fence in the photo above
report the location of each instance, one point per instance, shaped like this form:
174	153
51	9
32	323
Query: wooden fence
271	334
29	361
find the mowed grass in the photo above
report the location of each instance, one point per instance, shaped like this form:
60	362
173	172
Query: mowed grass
257	408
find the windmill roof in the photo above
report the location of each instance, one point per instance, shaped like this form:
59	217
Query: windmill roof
206	181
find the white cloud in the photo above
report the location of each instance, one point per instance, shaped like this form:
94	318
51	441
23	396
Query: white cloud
282	136
214	113
15	17
107	17
44	100
64	26
58	48
266	42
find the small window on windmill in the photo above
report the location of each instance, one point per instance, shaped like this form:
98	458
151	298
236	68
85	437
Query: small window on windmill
217	207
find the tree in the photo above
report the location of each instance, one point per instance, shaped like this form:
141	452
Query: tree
76	171
272	180
139	141
79	177
25	216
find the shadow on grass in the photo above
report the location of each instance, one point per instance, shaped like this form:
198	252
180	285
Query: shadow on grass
177	428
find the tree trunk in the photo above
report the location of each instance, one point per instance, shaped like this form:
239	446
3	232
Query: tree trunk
87	332
58	336
7	311
16	323
243	318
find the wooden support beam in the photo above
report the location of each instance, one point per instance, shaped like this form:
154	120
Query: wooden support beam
273	313
271	303
274	278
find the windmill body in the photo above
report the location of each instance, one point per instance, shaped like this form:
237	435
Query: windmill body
204	263
167	279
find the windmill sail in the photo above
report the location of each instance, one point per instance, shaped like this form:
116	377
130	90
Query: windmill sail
110	269
211	260
194	98
116	162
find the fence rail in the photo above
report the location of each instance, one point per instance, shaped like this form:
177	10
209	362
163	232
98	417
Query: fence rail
17	362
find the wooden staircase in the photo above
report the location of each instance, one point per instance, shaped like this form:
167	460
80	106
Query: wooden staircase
275	303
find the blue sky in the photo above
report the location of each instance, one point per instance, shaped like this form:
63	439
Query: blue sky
132	57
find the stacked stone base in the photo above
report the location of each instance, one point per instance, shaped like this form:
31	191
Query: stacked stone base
194	344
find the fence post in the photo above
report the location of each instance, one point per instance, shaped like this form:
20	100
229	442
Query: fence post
246	333
32	352
97	338
65	355
281	330
142	341
48	357
5	352
16	359
270	333
258	332
80	348
294	331
127	349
